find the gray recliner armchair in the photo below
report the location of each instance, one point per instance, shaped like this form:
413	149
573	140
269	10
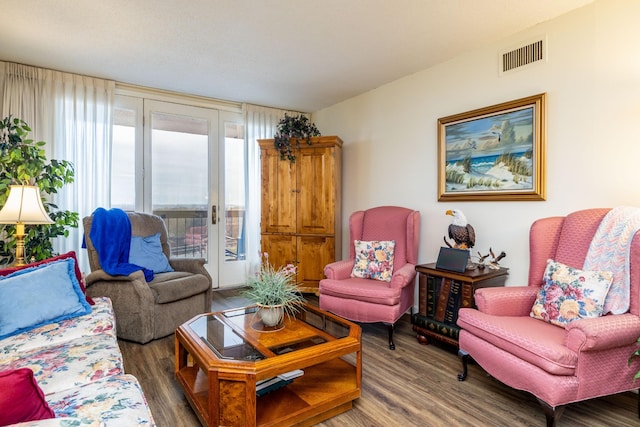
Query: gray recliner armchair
147	311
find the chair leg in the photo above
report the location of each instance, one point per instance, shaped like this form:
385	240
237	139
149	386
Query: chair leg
464	358
551	414
390	327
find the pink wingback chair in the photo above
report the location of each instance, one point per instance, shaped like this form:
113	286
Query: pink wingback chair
369	300
586	359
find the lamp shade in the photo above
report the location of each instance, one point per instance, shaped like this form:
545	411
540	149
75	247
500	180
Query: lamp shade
24	206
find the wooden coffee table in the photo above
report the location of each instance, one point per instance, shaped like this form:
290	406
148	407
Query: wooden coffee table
221	356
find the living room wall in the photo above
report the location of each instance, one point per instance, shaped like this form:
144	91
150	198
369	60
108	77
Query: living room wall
592	81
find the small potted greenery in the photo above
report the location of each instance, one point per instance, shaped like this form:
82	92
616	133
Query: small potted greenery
274	291
291	130
632	357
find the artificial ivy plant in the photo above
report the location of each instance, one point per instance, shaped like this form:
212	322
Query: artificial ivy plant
635	354
23	162
291	130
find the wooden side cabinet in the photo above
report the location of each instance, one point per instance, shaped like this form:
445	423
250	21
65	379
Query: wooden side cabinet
301	207
442	293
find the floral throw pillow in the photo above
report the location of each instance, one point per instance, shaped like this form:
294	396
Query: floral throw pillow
374	259
570	294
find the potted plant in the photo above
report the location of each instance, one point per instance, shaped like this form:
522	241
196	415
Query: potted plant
23	161
291	130
274	291
632	357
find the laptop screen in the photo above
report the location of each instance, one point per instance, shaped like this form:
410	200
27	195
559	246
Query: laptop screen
452	259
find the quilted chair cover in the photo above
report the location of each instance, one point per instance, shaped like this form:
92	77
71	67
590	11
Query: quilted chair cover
147	311
368	300
586	359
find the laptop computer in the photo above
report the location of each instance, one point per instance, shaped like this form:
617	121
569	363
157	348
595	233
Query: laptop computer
452	259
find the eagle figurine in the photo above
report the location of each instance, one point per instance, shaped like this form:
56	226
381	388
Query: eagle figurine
460	231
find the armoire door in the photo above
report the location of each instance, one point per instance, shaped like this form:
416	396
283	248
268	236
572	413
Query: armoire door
279	188
316	191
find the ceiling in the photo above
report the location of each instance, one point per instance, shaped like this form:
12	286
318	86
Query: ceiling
296	54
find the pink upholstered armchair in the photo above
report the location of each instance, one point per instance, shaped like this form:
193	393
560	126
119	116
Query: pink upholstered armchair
586	358
369	300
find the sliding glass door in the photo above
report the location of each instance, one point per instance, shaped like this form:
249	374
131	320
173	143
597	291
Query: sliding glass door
180	162
189	169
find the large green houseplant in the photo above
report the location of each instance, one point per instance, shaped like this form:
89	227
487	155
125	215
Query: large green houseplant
291	130
23	162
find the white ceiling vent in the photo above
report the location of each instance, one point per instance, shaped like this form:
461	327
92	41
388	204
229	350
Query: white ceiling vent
516	59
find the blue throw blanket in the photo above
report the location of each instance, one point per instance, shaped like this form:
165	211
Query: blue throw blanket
111	236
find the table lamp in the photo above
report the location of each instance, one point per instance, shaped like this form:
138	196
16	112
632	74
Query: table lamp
23	206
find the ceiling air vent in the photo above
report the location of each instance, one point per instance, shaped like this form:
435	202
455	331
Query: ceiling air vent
525	55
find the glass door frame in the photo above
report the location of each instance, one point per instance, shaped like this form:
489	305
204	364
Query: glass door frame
212	117
223	274
231	273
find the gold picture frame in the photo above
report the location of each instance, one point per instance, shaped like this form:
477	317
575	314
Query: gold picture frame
494	153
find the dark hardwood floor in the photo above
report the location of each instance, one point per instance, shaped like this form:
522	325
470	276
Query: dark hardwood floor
415	385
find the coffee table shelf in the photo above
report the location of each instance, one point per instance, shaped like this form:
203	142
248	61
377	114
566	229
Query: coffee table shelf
222	387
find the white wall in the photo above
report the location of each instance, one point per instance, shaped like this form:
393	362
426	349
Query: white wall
592	81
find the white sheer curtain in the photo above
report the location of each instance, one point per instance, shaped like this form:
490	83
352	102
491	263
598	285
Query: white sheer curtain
261	123
26	97
73	114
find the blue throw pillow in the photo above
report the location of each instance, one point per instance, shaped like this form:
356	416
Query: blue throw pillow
40	295
147	252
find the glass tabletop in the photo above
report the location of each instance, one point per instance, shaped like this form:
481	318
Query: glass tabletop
227	333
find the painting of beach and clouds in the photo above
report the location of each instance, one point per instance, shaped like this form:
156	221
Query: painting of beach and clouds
493	153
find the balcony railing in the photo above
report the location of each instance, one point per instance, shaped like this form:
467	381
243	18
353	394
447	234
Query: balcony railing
188	232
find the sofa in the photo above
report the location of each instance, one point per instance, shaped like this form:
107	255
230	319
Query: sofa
66	370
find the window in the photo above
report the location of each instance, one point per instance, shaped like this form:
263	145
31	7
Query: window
235	191
123	168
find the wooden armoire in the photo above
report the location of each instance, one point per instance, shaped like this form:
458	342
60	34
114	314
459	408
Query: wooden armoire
301	207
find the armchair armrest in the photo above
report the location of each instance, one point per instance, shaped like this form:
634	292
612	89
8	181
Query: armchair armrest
603	332
132	299
190	265
339	270
506	301
403	276
103	276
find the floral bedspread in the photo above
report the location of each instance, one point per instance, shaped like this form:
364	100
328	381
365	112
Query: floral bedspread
78	365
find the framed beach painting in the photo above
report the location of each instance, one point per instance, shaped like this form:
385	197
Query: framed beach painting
493	153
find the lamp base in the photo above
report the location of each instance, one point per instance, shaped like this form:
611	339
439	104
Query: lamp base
20	261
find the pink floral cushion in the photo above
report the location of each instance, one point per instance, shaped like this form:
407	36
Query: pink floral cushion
374	259
570	294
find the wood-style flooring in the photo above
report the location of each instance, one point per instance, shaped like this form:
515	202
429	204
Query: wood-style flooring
415	385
